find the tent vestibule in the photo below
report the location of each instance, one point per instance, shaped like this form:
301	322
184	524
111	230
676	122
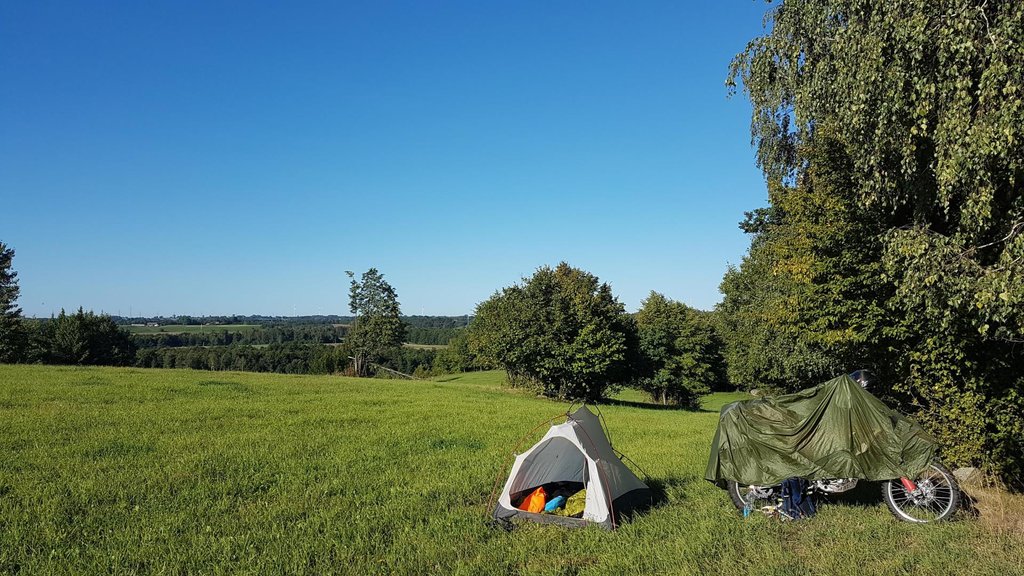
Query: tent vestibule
574	452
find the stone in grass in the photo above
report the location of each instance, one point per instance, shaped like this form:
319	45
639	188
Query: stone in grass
969	475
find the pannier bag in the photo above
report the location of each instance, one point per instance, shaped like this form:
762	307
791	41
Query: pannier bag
796	502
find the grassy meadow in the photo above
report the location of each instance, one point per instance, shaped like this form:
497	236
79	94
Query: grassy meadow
191	328
130	471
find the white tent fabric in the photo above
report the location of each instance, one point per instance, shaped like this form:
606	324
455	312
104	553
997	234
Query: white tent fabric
575	451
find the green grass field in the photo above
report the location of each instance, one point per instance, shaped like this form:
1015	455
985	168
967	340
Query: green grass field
191	328
425	346
127	471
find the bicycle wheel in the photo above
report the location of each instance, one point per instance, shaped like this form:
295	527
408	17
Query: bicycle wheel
936	498
752	497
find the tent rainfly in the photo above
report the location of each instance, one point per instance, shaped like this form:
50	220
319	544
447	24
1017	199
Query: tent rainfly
576	452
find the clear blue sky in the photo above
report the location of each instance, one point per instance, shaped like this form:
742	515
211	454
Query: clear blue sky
191	158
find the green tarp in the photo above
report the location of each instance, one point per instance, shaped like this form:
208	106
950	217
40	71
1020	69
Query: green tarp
834	430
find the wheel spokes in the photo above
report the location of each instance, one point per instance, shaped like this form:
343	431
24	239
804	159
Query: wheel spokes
934	499
755	494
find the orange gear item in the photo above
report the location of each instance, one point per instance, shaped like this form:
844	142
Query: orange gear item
535	501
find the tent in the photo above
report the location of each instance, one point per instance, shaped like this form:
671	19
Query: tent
575	454
834	430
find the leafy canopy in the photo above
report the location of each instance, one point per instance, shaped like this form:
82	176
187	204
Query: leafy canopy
561	331
377	328
807	301
83	338
920	107
680	351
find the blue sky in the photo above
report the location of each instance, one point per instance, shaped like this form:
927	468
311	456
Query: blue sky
236	158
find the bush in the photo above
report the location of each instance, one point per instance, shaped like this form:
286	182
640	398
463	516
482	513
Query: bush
681	356
561	332
83	338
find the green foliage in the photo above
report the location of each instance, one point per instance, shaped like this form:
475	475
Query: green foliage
418	362
441	336
808	300
224	335
291	358
83	338
13	334
233	322
458	356
377	328
561	332
227	335
918	108
964	366
681	356
437	322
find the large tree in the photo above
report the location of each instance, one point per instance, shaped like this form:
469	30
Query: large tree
921	108
84	338
12	326
561	331
681	356
807	301
377	327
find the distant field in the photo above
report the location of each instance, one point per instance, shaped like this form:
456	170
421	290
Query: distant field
129	471
425	346
407	345
191	328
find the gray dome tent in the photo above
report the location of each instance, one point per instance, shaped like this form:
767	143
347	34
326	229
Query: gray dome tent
576	451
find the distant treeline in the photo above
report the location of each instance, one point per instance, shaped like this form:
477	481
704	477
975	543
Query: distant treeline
85	338
299	334
281	334
289	358
412	321
437	321
431	335
281	358
232	319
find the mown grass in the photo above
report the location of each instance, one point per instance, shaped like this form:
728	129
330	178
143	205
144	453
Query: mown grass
128	471
192	328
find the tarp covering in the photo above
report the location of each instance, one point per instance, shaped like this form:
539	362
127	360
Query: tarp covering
834	430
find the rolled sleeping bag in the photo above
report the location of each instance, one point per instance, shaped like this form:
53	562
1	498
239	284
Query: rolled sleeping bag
555	503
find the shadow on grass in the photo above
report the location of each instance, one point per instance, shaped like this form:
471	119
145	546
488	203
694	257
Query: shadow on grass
968	504
665	489
868	494
651	406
